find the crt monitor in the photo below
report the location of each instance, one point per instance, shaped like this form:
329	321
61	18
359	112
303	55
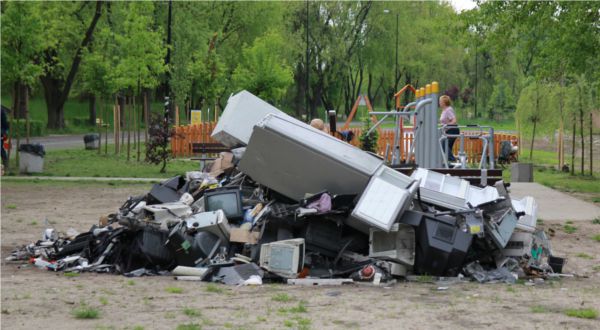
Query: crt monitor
228	200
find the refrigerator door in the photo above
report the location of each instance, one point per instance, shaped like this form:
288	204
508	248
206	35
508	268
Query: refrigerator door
293	159
243	111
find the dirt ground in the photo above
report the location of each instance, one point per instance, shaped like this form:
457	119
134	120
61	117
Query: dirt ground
33	298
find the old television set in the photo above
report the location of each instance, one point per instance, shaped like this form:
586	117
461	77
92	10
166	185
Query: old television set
284	258
228	199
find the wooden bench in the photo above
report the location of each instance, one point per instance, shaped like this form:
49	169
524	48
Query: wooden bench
208	148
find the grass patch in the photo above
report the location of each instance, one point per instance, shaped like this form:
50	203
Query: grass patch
88	163
510	289
131	282
596	268
210	287
298	323
33	223
11	206
189	326
282	297
103	301
569	222
86	312
174	289
300	308
191	312
424	278
596	238
71	274
538	309
584	256
582	313
565	181
596	221
569	229
261	319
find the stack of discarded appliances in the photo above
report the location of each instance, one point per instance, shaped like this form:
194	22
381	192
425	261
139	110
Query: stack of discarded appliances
292	203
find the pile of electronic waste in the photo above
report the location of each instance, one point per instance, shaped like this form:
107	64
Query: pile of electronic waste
291	203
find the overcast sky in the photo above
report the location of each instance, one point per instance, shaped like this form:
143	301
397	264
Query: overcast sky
461	5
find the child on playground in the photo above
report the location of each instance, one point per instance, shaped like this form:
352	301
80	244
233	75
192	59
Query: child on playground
448	117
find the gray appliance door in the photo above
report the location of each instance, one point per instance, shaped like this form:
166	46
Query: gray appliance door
243	111
293	168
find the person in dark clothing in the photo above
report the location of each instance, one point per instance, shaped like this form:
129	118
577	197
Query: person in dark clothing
5	127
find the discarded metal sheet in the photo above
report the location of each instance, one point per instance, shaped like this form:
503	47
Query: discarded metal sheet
319	281
238	274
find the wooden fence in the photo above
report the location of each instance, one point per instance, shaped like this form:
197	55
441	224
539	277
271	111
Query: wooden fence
181	143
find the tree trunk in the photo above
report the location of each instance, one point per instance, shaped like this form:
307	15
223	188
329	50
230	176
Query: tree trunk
561	140
532	140
56	89
25	104
581	133
591	145
92	109
128	128
15	101
20	100
369	86
146	115
56	116
573	145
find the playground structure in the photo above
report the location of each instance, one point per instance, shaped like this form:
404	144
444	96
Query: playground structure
417	145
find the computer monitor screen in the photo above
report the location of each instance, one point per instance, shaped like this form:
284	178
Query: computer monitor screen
228	201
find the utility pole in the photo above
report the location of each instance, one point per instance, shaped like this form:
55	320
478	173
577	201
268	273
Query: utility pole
307	63
396	78
168	59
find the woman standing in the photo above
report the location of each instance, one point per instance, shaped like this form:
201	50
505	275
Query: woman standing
448	118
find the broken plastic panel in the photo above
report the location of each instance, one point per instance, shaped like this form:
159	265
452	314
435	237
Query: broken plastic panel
519	245
214	222
398	245
168	212
501	229
528	205
386	197
451	192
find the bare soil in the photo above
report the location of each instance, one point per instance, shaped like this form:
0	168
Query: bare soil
33	298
